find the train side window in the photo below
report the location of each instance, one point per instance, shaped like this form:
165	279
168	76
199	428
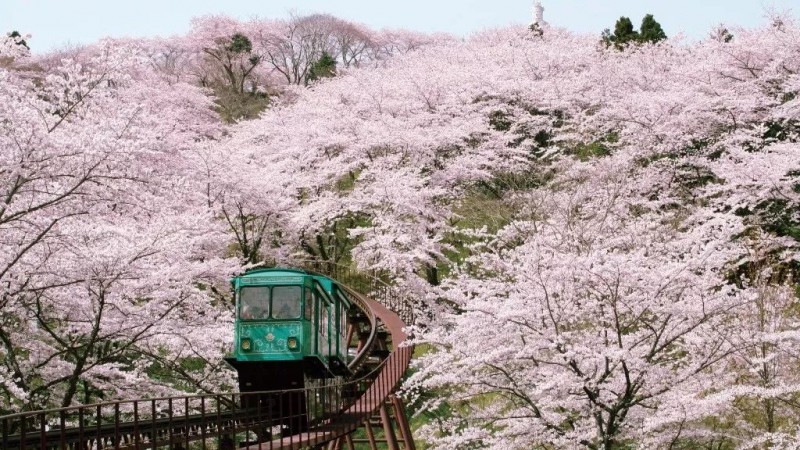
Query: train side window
324	309
323	320
315	313
342	311
286	302
342	321
309	305
254	302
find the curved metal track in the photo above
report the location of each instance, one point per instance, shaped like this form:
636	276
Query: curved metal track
177	421
369	342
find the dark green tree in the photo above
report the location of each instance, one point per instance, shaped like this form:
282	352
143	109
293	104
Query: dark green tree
623	34
650	30
324	67
234	58
239	44
623	30
15	34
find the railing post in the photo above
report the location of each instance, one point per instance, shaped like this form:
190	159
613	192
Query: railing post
388	430
153	429
43	432
116	425
185	434
136	424
169	422
81	444
98	420
62	424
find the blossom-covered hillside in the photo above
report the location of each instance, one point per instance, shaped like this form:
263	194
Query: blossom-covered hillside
114	245
606	241
603	241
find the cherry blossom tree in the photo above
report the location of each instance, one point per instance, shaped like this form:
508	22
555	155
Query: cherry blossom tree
694	142
386	157
638	289
618	283
110	251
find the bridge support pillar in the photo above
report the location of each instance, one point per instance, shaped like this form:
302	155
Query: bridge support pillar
350	444
392	419
388	429
373	444
402	423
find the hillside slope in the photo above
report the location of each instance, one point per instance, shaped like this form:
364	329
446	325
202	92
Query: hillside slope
646	254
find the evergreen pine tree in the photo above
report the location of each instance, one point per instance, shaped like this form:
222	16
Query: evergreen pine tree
15	34
324	67
239	44
650	30
623	34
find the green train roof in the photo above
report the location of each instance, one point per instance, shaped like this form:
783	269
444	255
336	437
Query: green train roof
274	271
278	275
328	284
286	276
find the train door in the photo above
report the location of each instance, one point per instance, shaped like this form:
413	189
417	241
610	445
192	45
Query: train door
318	340
343	333
331	328
341	325
324	324
327	322
322	334
308	316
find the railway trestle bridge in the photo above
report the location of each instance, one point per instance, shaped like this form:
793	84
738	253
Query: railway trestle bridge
325	416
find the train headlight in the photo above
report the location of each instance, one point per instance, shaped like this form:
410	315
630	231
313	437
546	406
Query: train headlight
246	344
292	343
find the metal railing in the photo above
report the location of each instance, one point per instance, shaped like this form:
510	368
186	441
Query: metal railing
266	419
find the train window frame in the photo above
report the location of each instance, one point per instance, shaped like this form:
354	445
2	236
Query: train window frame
273	308
326	303
342	321
324	318
308	303
242	306
348	302
317	330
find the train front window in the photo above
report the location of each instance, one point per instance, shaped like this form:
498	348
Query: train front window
254	303
286	302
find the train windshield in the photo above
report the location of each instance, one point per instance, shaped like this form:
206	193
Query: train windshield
254	303
286	302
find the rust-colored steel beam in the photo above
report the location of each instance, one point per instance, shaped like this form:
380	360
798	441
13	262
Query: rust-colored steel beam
388	429
402	423
350	330
373	445
350	444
